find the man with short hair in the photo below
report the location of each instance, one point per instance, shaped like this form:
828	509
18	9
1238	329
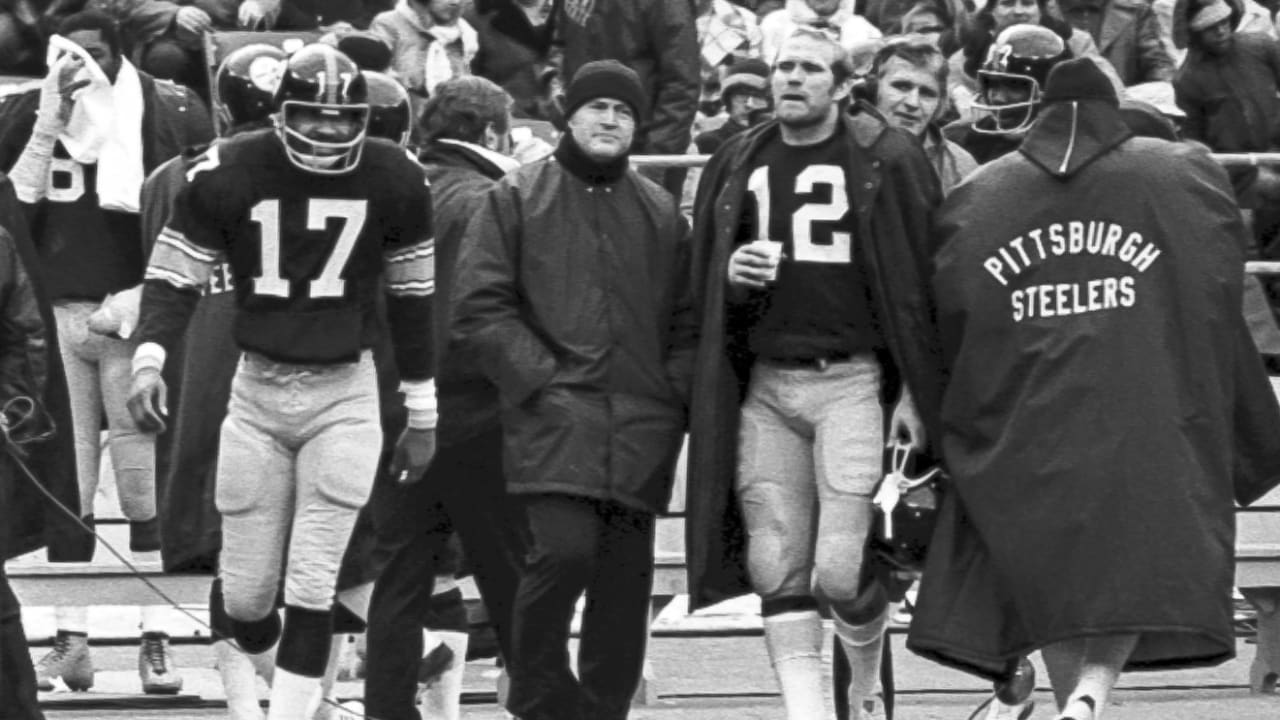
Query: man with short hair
78	150
572	297
910	92
812	237
466	127
315	220
744	92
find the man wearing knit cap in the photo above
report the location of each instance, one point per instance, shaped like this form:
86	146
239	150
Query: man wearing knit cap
572	297
1104	405
745	94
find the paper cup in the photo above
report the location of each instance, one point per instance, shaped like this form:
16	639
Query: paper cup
773	249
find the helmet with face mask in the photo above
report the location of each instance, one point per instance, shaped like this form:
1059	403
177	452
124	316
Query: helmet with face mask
245	84
1011	80
323	111
390	114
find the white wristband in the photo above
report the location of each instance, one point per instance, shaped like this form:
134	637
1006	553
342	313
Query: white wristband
420	402
148	356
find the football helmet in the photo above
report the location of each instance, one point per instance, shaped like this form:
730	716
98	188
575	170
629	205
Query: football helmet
322	107
905	510
1011	80
245	84
390	115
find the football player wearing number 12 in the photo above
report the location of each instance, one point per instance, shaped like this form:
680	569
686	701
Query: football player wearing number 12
797	352
311	215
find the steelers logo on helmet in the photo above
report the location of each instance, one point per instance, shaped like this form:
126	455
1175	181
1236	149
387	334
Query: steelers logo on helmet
245	85
1011	80
390	116
322	110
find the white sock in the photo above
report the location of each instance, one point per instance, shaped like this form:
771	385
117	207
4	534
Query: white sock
340	645
864	646
150	557
72	618
153	618
293	696
442	700
239	682
794	641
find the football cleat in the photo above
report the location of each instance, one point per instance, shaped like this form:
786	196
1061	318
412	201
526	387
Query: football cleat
155	666
70	660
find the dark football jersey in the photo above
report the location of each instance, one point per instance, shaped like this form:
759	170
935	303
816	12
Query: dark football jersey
306	251
819	305
86	252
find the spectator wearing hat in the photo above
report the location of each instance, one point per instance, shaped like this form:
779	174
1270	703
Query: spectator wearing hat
572	296
1227	87
836	17
745	93
727	33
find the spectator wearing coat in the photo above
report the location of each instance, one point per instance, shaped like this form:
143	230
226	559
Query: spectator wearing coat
430	42
514	37
834	16
656	38
1127	34
572	296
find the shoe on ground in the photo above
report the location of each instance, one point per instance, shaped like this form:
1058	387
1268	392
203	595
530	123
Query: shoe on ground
69	660
156	667
434	664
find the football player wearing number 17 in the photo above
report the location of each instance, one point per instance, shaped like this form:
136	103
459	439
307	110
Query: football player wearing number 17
810	237
314	219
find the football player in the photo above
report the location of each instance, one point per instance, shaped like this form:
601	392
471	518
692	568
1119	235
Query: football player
314	219
1010	84
819	223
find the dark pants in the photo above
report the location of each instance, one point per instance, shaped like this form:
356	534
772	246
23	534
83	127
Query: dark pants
467	479
575	545
17	677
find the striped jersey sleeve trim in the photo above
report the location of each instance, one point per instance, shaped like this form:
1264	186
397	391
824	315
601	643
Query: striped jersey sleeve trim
411	271
179	263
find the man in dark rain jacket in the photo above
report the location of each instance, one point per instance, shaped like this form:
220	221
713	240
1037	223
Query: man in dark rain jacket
573	295
1104	405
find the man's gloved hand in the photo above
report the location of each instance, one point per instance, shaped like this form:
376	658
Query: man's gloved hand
149	400
412	455
57	94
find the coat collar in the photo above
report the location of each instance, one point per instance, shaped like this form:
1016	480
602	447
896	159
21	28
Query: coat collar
864	129
1070	135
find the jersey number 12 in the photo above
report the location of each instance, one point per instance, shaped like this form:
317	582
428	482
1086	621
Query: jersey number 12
804	249
319	211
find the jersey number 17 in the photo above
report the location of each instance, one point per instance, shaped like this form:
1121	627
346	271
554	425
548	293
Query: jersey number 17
319	211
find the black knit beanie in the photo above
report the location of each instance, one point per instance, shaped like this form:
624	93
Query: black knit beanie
1079	79
605	78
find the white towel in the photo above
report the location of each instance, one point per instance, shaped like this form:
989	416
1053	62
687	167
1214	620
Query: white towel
106	128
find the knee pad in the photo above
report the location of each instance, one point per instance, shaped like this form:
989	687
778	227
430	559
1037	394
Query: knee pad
791	603
219	621
305	642
861	623
256	636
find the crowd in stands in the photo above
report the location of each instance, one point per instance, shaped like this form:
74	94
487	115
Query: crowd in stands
1149	48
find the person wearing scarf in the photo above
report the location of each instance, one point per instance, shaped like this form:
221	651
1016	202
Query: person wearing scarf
573	297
